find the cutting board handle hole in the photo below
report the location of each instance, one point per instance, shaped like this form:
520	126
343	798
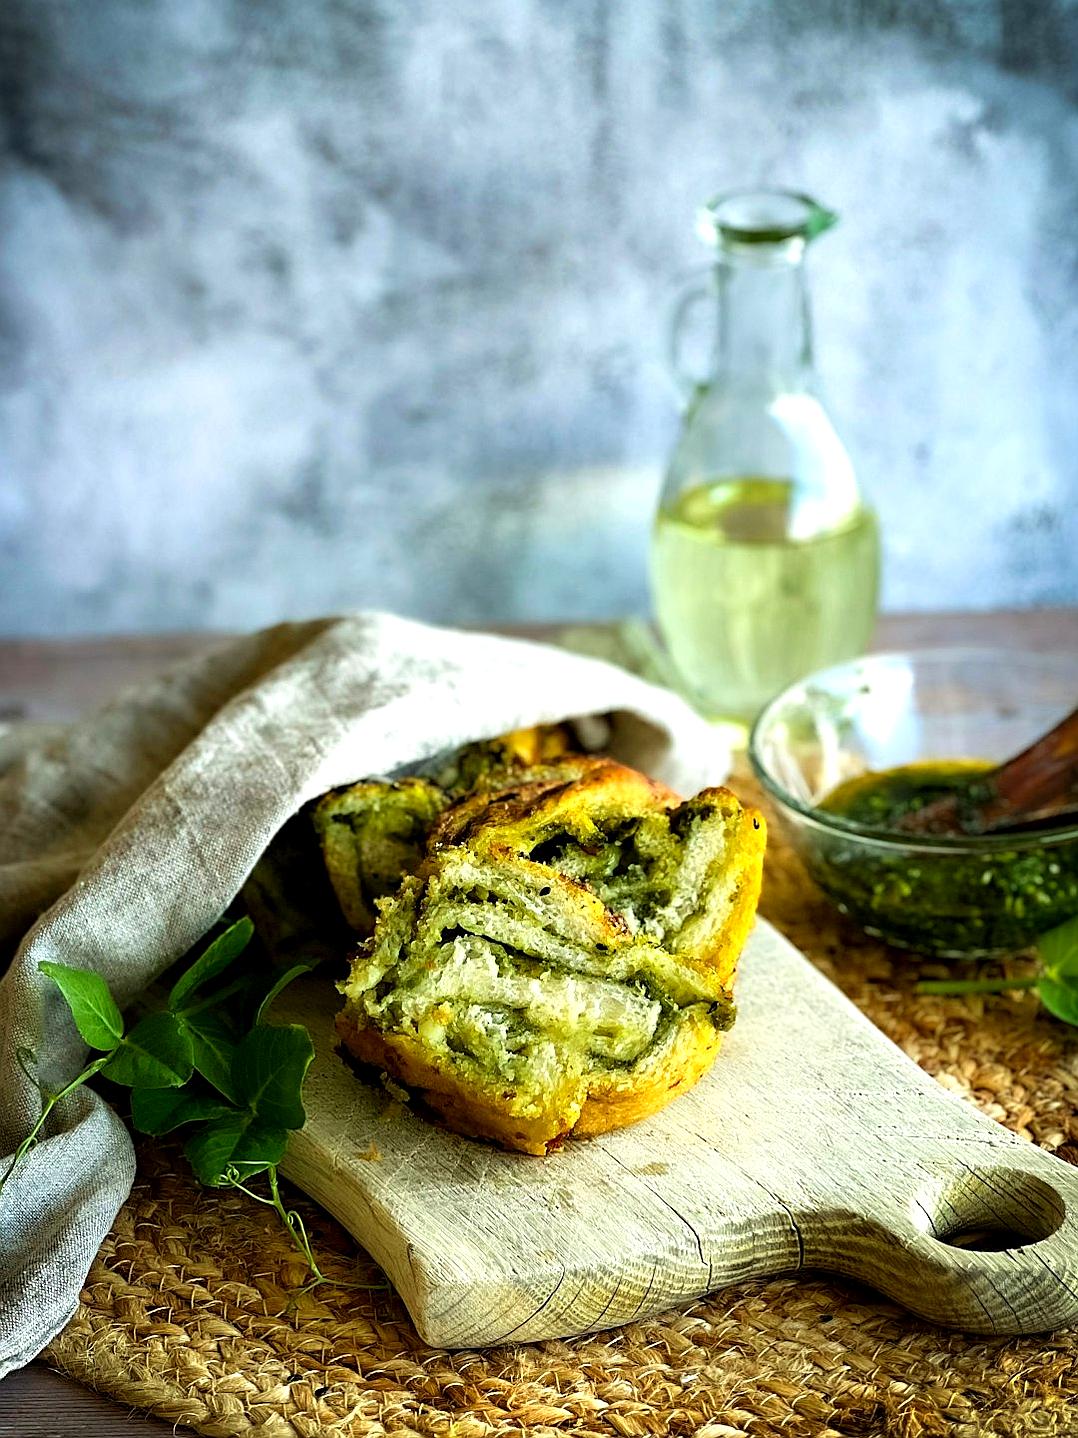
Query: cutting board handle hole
992	1209
986	1240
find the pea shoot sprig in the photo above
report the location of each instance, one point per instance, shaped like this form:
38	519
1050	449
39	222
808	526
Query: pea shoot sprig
1056	984
207	1061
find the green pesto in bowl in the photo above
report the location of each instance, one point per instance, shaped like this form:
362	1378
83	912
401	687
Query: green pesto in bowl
968	896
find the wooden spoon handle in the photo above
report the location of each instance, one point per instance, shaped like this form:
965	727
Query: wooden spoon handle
1039	783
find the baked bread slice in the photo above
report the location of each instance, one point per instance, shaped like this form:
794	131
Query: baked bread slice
560	959
492	763
373	833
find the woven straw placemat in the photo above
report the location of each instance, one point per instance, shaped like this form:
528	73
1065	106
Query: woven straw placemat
191	1308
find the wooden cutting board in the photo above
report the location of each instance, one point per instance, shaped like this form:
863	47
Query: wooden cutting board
813	1143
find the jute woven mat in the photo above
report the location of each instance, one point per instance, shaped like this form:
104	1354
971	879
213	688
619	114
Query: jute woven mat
191	1312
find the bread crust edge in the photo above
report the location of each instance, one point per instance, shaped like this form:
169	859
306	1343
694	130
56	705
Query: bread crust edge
611	1101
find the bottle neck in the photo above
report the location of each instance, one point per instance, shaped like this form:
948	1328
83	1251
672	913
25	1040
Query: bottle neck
764	328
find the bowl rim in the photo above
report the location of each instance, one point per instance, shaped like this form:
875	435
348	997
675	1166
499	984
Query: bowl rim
889	838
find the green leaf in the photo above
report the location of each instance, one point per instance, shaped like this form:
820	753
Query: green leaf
260	1146
268	1072
92	1007
282	983
209	1151
213	1048
214	960
1060	999
160	1110
1059	950
238	1141
155	1054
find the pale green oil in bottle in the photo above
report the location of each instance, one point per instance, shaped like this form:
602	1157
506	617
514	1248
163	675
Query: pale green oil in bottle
746	607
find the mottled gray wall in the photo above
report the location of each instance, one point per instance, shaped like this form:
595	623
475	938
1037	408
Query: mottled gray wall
323	303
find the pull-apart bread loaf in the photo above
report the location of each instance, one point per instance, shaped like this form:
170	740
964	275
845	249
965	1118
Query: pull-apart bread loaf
557	957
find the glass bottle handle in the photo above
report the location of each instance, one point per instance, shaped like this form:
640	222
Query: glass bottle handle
688	383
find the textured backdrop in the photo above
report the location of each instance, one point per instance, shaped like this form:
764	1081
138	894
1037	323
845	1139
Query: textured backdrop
320	303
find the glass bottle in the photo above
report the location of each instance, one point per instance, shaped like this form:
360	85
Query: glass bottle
765	557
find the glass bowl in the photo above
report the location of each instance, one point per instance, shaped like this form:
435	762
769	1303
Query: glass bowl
964	897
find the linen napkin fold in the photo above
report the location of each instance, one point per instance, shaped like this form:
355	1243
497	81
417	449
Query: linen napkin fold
124	838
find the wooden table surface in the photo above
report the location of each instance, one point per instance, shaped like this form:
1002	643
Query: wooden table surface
50	681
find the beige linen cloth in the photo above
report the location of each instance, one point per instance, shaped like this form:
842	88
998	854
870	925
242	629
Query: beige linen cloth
124	838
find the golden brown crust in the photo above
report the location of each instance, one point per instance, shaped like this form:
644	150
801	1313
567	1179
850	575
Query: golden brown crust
563	796
537	744
466	1107
616	1100
612	1100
